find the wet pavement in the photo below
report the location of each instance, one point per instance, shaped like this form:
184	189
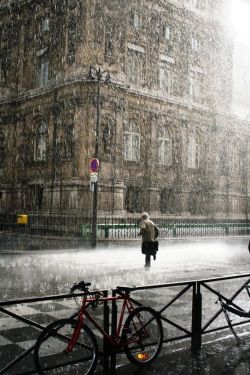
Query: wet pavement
40	272
36	273
223	357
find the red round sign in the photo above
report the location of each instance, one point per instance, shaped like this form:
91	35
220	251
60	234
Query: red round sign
94	165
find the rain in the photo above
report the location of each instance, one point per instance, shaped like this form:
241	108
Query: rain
110	109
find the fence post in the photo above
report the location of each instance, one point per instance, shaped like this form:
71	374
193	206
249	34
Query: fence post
106	329
113	332
196	318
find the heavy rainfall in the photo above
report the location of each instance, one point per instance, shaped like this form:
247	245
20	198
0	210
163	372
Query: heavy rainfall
117	117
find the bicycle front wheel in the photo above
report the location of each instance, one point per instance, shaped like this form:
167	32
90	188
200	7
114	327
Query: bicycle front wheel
50	356
142	336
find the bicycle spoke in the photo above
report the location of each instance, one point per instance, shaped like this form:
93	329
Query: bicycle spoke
51	357
143	336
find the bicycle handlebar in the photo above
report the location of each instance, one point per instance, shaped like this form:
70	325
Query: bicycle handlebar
82	286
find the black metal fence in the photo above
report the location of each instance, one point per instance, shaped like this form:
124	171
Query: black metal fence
188	310
120	228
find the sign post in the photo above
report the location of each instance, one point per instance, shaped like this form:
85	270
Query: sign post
94	167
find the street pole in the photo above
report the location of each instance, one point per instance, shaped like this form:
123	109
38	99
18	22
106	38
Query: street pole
96	75
95	192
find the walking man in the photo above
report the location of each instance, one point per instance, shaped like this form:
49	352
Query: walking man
149	233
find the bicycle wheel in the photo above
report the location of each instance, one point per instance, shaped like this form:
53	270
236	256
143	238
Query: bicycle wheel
50	356
142	336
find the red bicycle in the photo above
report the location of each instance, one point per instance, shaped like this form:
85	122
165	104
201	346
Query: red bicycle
69	346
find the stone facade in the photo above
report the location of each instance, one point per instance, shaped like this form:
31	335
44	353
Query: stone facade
168	140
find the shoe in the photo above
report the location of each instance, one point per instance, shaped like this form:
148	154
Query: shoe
154	256
147	265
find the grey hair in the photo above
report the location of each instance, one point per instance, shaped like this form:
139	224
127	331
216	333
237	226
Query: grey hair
145	215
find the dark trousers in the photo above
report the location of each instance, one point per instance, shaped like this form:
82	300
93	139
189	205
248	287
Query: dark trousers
147	259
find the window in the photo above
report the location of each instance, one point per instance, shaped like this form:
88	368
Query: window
197	4
195	85
192	152
131	141
235	204
166	82
40	149
164	147
195	44
135	67
134	19
43	73
166	32
44	24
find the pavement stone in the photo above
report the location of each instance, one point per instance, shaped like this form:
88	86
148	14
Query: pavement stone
222	357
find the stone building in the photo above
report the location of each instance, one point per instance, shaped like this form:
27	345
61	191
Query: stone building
168	140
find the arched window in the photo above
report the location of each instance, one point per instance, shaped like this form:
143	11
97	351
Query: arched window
131	141
164	148
40	146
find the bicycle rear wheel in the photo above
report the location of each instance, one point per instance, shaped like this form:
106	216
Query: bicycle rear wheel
142	336
50	356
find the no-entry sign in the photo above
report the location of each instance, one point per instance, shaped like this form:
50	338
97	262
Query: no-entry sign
94	165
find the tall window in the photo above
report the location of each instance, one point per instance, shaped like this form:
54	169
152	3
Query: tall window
44	24
195	85
195	44
40	146
167	32
166	74
43	68
131	141
164	147
165	78
135	19
192	152
135	66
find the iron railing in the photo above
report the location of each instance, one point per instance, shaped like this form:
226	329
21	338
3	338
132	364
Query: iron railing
120	228
188	311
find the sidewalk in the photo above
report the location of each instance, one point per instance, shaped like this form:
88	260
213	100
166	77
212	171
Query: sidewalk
222	357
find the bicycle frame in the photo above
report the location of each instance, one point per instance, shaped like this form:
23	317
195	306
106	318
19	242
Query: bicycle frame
114	341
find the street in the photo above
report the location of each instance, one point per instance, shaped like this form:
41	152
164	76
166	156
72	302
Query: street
45	272
36	273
